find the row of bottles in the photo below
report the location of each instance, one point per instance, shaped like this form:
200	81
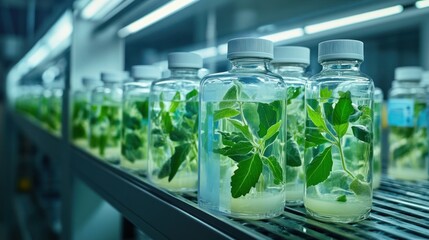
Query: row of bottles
407	119
251	139
259	136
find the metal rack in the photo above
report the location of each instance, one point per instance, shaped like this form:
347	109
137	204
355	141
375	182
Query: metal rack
400	209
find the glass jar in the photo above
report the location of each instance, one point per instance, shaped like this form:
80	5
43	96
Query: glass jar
173	125
338	154
81	111
291	63
243	134
408	144
27	102
51	106
135	115
106	117
378	106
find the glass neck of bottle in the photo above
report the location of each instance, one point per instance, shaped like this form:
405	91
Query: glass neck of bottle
112	84
250	64
350	65
184	72
281	68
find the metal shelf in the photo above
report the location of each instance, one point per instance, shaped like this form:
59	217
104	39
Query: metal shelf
400	209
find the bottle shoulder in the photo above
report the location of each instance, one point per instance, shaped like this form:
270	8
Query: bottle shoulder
243	77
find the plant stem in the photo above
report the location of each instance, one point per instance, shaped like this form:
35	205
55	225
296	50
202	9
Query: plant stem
343	161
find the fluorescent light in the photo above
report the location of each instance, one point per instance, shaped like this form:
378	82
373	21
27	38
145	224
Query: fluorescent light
285	35
155	16
97	9
206	52
363	17
61	31
422	4
37	56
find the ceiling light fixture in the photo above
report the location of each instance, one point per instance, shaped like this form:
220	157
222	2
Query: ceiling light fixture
155	16
363	17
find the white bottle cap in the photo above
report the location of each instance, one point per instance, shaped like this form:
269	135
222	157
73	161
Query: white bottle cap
184	60
408	73
146	72
425	79
115	76
88	82
291	54
340	49
250	47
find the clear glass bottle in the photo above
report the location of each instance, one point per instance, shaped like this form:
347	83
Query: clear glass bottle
408	144
291	63
51	105
173	125
27	102
106	117
339	147
135	115
243	134
81	111
378	107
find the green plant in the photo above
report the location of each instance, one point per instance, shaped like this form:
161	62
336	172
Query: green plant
105	126
257	128
134	132
175	128
329	131
295	131
80	118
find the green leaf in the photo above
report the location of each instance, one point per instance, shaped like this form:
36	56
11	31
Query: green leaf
275	168
314	138
316	117
272	130
191	108
292	93
78	131
325	93
167	124
355	115
131	122
267	118
250	113
341	129
278	107
342	198
360	187
178	135
239	148
132	141
293	158
102	144
158	138
343	109
329	111
362	133
229	139
143	108
225	113
229	97
175	102
191	94
179	156
246	176
319	168
161	101
243	128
